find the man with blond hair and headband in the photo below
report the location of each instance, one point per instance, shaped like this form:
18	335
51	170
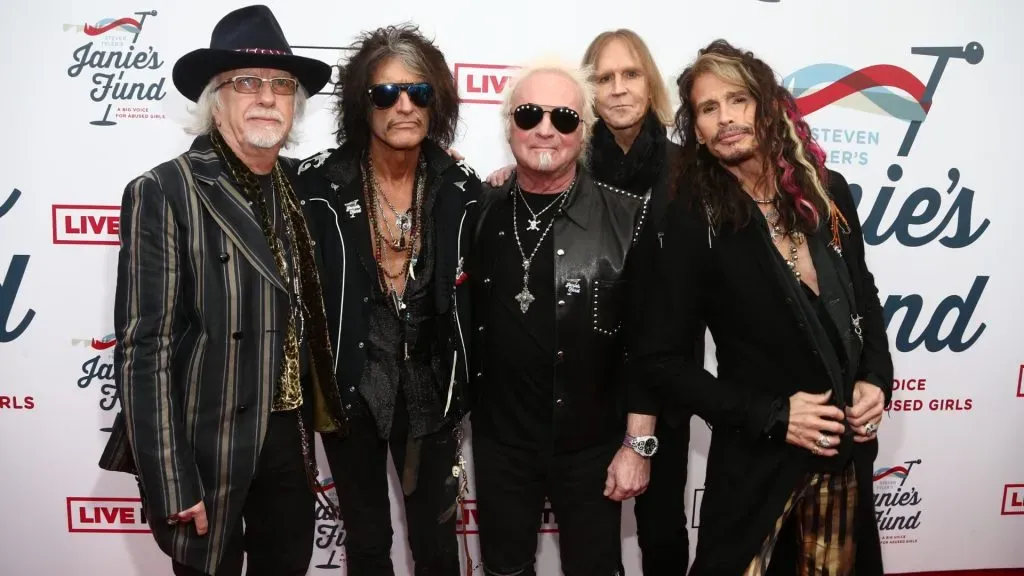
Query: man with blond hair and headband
547	280
764	246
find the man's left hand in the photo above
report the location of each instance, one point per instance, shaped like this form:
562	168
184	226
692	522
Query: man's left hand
868	405
628	475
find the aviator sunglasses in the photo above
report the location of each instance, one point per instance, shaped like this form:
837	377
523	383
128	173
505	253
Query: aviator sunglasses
384	96
564	119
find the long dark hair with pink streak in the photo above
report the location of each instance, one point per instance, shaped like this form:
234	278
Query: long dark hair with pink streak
785	145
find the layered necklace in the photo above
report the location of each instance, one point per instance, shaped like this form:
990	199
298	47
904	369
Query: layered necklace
525	298
397	243
779	236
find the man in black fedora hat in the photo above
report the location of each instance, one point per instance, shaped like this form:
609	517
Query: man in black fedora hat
223	362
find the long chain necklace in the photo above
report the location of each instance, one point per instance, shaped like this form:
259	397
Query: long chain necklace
406	250
525	298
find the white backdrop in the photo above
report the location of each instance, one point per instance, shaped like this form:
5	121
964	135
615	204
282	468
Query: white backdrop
942	212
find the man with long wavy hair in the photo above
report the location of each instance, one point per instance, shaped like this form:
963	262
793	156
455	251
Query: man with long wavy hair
764	246
392	214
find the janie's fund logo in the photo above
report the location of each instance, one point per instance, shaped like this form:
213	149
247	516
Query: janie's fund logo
121	71
98	370
897	504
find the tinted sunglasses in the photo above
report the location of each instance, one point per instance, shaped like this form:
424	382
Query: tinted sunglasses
564	119
384	96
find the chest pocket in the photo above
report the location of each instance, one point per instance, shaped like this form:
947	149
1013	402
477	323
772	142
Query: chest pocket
606	301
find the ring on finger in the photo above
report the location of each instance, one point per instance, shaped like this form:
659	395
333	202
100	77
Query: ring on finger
816	451
823	441
870	428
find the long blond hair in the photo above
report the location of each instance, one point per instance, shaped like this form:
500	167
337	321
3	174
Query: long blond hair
660	103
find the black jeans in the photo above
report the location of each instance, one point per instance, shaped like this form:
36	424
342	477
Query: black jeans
359	466
661	510
511	485
278	512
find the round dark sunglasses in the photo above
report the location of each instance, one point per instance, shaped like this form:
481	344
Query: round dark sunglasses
384	96
564	119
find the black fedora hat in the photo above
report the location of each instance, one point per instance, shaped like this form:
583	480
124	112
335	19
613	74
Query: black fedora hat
249	37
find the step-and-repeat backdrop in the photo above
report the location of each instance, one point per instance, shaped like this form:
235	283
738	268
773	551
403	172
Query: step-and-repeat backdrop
916	103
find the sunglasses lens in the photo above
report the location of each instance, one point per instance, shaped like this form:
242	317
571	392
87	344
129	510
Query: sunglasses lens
420	94
564	120
527	116
384	95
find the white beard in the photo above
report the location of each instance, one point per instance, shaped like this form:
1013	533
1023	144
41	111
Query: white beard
545	160
268	137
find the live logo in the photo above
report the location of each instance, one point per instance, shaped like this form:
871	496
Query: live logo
467	520
1013	499
482	83
86	224
106	515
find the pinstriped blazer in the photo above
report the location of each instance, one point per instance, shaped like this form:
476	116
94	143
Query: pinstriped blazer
199	316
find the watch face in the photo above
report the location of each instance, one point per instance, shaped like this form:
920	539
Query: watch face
649	445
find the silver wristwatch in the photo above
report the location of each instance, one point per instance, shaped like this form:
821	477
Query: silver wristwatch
645	446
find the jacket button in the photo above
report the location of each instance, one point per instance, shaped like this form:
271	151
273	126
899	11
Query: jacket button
361	345
242	408
351	388
561	302
479	328
559	402
560	252
479	374
311	242
366	299
487	280
501	233
224	257
560	356
236	335
303	202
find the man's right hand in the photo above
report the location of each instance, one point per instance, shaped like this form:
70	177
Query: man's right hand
197	513
811	419
499	176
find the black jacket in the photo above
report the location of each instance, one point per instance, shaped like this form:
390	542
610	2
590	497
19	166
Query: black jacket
767	349
650	169
331	192
593	236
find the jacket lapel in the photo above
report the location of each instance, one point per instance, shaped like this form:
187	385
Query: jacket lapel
836	289
345	175
230	210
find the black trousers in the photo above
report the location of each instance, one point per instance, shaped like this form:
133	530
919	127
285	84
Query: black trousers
278	512
661	510
359	467
511	486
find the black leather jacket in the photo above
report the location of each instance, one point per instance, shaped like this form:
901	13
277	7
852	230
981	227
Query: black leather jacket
332	199
593	235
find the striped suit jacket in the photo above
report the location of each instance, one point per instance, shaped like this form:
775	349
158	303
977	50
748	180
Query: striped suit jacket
199	314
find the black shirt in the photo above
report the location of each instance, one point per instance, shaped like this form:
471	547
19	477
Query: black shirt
516	404
393	333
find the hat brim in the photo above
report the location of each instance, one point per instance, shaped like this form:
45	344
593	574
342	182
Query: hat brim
193	71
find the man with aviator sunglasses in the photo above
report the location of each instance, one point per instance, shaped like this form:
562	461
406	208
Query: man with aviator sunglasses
392	215
546	292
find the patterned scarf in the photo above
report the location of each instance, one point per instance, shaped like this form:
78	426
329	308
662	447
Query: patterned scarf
306	318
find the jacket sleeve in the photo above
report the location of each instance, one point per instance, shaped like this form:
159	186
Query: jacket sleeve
876	360
666	317
145	315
